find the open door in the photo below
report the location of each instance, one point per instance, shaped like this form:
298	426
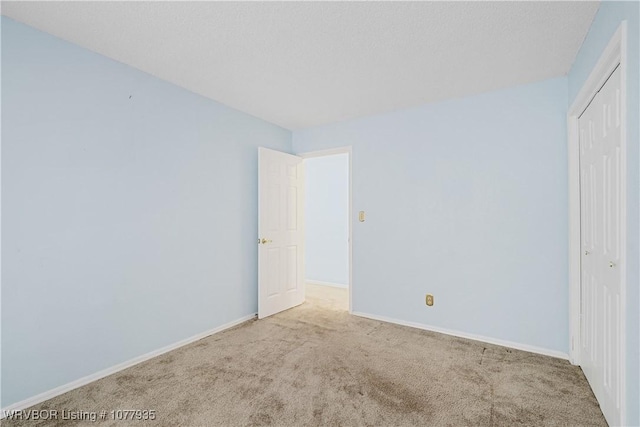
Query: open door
280	231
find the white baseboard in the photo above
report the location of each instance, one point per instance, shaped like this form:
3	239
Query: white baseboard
321	283
503	343
24	404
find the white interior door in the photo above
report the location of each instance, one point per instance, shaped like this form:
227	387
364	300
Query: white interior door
600	187
281	231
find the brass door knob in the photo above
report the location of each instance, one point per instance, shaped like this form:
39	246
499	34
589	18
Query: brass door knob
266	241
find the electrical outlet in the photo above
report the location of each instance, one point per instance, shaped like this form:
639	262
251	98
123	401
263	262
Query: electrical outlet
429	300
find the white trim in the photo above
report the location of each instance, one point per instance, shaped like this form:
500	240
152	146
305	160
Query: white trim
330	152
26	403
574	240
1	220
332	284
614	54
474	337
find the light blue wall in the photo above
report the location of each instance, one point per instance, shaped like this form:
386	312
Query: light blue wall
129	212
465	199
327	219
606	22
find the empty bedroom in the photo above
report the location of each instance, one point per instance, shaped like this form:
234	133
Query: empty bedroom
245	213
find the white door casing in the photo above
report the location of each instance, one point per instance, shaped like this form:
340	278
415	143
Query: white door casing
280	231
601	225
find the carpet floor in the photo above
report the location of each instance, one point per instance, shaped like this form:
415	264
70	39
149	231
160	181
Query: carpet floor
317	365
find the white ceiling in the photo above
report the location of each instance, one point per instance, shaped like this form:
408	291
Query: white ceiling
301	64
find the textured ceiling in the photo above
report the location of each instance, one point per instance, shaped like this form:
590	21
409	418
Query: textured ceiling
303	64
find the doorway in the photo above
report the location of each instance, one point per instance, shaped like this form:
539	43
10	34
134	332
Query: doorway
282	228
597	240
327	212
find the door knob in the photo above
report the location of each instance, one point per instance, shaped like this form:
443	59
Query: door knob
612	264
266	241
587	252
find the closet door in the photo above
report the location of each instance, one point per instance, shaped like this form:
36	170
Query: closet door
600	192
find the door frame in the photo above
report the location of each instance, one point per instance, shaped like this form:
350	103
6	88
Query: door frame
331	152
615	54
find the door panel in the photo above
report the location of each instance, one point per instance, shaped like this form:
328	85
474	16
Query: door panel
292	270
280	231
601	216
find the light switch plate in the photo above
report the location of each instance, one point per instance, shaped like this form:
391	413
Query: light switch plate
429	300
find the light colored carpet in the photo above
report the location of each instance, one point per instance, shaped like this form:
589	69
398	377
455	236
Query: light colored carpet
318	365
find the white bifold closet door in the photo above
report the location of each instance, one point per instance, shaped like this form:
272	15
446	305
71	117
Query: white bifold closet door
601	216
